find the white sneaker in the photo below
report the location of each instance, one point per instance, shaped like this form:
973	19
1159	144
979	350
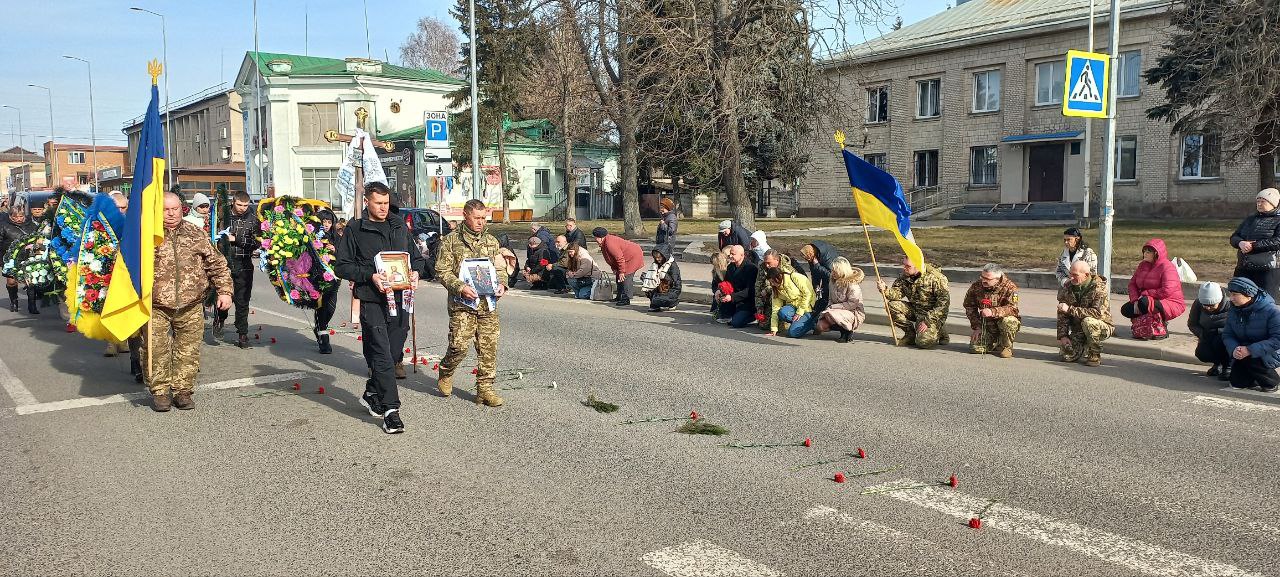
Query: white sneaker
722	321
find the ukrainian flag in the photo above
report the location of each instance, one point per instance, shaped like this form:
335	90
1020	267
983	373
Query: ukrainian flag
128	304
881	203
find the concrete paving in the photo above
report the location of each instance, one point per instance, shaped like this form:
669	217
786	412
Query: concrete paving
1133	468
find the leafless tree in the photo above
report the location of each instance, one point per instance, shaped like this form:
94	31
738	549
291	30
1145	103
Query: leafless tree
433	45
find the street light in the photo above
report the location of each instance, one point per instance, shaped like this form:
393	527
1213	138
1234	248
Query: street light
168	114
50	91
22	153
93	130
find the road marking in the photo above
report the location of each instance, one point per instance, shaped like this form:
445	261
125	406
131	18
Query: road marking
1136	555
825	512
19	392
80	403
1221	403
704	559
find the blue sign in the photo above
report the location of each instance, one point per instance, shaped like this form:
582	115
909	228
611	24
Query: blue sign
1087	84
436	125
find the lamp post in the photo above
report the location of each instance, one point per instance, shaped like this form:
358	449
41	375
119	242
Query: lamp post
22	153
93	130
170	153
51	140
475	111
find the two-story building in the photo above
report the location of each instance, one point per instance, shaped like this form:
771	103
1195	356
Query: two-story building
966	107
74	165
205	140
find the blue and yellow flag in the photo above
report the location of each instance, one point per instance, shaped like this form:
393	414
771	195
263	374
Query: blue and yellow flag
128	303
881	203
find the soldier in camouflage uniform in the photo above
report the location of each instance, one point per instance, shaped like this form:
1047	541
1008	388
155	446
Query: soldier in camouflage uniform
917	304
992	307
1084	316
467	325
186	265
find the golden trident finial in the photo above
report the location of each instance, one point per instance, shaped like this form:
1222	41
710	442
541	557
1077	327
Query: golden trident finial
840	138
155	69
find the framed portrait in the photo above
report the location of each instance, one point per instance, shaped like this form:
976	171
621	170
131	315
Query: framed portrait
395	266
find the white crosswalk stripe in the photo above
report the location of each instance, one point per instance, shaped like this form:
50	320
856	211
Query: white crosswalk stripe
704	559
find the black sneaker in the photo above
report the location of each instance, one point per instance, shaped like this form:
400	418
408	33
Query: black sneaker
391	423
322	341
371	404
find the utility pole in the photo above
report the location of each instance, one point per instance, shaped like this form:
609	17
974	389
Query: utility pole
51	138
170	154
260	158
1088	136
1109	141
475	111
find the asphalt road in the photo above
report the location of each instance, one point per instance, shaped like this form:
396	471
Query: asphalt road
1134	468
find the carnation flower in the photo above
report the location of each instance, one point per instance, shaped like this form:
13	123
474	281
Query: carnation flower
293	294
279	208
328	276
265	226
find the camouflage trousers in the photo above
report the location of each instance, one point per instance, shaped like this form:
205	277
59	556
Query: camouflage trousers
906	320
175	354
995	335
1086	337
466	328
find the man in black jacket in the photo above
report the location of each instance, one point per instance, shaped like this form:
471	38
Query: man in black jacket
241	242
12	230
738	307
572	234
732	233
383	334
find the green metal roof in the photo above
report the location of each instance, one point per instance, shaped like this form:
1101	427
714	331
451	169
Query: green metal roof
418	132
317	66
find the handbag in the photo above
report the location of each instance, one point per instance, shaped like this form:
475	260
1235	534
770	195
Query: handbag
1265	260
1149	326
603	286
1184	270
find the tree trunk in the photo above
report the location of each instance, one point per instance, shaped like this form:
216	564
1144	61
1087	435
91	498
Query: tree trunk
1267	170
627	168
727	117
502	172
570	190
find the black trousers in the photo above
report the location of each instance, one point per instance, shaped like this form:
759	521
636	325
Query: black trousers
623	294
383	337
1251	371
241	292
1267	280
664	300
1211	349
1142	306
556	279
328	306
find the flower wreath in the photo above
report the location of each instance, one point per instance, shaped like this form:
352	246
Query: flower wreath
31	262
296	256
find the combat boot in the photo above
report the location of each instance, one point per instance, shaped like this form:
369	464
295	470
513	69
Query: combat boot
445	385
1092	358
486	396
160	403
183	401
1005	353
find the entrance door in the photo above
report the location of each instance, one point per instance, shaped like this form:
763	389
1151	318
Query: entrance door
1047	163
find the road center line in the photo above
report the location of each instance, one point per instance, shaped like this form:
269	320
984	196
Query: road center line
704	559
1221	403
82	402
19	392
1136	555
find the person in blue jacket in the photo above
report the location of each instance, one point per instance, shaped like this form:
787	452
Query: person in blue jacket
1252	336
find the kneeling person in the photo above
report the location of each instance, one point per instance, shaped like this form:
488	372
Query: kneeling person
917	304
1084	316
664	276
992	307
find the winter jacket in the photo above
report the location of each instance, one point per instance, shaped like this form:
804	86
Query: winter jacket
743	279
246	229
463	244
845	307
763	290
737	235
1263	230
1159	280
576	236
820	270
186	265
927	295
795	290
762	245
1089	300
1203	322
548	241
536	256
361	242
1068	258
1255	326
11	233
1002	299
667	228
623	256
586	265
669	282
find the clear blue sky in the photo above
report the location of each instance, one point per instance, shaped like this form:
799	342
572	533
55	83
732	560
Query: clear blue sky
207	43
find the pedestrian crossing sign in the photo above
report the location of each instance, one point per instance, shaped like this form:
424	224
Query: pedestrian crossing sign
1087	84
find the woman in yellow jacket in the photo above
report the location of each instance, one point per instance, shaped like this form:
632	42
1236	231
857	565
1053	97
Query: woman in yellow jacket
793	300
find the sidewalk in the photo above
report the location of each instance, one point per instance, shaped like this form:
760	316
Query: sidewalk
1038	308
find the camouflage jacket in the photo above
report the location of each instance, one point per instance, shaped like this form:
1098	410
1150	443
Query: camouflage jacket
927	295
1002	299
186	265
463	244
1090	301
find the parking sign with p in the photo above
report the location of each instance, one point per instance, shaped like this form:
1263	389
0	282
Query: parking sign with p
436	125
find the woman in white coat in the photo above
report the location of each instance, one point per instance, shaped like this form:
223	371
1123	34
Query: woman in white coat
1074	249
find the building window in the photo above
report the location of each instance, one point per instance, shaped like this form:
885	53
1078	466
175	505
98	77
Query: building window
927	99
542	182
226	152
926	168
880	160
1129	83
982	167
83	177
322	184
986	91
1127	158
313	120
1201	156
75	158
878	104
222	132
1050	77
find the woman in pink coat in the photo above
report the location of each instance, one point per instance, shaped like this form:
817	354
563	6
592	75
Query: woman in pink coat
1155	287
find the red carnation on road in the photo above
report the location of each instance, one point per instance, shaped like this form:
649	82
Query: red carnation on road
861	454
694	415
807	442
975	523
839	478
953	481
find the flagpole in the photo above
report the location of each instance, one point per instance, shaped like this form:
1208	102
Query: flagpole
871	249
